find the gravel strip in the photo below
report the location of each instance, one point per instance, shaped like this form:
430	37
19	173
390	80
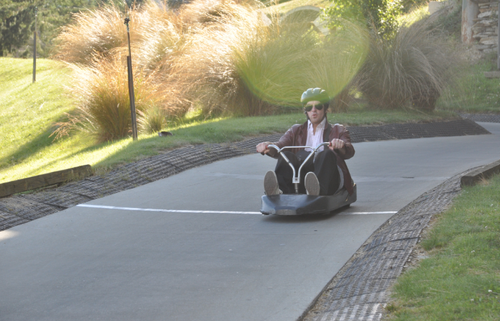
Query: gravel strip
487	118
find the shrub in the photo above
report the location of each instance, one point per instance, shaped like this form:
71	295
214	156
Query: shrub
224	56
97	43
272	65
205	72
335	63
160	35
93	32
410	5
380	15
414	67
152	120
249	67
104	106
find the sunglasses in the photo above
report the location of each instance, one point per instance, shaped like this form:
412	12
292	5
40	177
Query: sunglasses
310	107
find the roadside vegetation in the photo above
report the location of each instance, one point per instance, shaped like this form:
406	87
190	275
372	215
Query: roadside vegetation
29	112
231	59
458	277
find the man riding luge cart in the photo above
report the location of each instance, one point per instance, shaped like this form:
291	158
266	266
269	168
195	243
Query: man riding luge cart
311	176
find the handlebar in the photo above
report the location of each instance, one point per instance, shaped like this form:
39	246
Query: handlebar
315	149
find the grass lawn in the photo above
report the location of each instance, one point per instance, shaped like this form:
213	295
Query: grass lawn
472	92
460	280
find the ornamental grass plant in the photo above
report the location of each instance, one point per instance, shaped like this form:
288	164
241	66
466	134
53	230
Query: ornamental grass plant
161	35
229	58
335	64
205	73
103	100
92	32
224	57
152	120
279	65
95	47
412	69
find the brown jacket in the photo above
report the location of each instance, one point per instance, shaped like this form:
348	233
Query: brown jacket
297	136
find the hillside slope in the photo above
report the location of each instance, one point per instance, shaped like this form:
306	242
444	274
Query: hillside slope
28	110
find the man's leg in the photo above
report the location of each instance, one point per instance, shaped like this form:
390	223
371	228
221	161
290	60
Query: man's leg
325	168
285	173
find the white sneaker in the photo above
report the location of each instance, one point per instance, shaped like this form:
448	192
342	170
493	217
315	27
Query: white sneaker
271	186
311	183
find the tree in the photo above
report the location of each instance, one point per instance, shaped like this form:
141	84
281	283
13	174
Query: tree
378	15
17	22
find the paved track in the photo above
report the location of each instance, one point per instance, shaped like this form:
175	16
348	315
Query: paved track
191	247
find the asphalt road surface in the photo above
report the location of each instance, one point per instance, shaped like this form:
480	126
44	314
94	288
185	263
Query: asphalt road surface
194	246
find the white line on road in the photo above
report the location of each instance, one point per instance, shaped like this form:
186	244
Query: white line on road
367	213
138	209
162	210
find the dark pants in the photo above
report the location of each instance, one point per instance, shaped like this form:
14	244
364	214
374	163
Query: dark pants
324	165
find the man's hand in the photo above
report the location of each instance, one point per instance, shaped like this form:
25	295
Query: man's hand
337	144
263	148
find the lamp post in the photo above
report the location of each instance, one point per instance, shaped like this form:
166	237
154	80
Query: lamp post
131	84
34	48
498	39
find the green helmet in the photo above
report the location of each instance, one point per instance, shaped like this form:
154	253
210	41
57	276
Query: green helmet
314	94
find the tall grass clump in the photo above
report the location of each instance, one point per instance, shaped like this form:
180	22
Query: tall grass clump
152	120
204	72
268	63
272	70
161	33
334	63
225	57
238	53
92	32
103	100
245	63
95	45
410	69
